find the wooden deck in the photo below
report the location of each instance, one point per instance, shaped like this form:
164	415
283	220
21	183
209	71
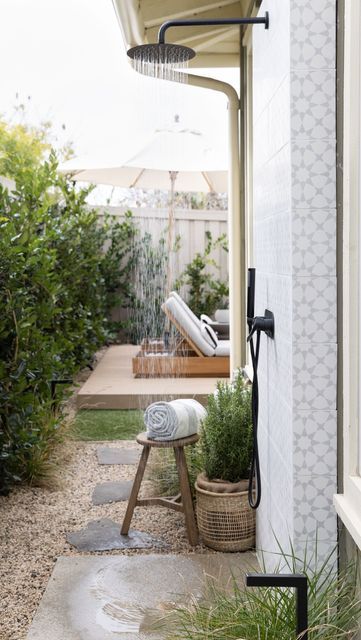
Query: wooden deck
113	386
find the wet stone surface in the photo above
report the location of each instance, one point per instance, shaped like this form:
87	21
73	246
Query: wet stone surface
112	492
127	597
104	535
115	455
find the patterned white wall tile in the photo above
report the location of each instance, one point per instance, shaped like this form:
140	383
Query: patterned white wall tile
315	553
314	376
314	514
313	106
314	309
273	246
313	34
315	443
313	174
314	242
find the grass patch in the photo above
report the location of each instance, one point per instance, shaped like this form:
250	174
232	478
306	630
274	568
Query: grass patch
334	607
104	424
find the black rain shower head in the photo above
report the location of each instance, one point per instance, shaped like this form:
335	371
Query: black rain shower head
162	53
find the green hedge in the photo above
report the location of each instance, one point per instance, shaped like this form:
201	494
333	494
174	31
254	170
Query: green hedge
56	288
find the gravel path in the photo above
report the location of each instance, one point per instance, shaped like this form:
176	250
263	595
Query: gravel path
34	522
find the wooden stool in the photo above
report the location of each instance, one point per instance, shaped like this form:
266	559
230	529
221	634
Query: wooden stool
182	502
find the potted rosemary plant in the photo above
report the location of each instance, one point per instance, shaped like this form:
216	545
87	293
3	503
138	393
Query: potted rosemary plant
225	520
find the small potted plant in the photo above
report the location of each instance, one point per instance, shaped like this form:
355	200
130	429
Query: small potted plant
225	520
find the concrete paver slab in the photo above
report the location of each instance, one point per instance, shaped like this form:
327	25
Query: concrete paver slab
117	455
104	535
107	492
108	597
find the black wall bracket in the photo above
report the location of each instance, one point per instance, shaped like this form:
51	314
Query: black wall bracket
210	22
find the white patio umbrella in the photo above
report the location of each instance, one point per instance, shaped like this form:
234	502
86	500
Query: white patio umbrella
172	158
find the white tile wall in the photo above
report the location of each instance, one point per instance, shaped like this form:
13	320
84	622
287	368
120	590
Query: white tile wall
314	242
313	174
313	34
313	512
314	376
272	184
314	309
315	443
318	554
273	252
295	256
313	105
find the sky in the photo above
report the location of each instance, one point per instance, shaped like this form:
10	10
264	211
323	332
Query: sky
68	56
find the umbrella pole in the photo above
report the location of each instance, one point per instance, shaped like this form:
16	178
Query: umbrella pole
173	177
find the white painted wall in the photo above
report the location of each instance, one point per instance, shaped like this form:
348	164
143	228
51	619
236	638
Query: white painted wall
295	257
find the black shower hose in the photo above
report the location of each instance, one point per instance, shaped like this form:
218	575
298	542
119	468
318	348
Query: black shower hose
254	486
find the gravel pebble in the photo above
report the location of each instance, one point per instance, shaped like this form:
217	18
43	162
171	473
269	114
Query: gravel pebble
34	521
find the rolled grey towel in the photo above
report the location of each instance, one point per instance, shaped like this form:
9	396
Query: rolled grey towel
173	420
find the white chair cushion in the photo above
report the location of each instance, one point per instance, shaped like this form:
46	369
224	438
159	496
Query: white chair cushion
223	348
206	318
188	310
209	334
188	325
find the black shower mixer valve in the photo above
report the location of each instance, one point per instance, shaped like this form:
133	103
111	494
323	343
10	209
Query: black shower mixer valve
264	323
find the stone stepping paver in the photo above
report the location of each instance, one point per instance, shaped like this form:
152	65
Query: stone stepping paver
104	535
108	597
116	455
108	492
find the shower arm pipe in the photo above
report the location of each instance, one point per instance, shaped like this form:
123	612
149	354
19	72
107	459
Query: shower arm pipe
208	23
236	222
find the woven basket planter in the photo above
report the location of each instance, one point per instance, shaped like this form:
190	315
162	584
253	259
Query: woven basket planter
225	521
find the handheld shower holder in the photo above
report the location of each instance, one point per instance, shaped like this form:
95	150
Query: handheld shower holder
264	323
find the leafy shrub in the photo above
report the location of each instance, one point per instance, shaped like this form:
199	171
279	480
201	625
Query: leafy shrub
117	265
205	293
226	434
56	289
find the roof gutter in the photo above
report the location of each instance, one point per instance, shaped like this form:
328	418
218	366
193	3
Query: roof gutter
236	223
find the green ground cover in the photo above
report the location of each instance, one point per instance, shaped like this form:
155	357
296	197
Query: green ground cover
103	424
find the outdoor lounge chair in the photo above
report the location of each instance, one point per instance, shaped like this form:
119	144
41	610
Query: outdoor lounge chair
221	328
199	353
